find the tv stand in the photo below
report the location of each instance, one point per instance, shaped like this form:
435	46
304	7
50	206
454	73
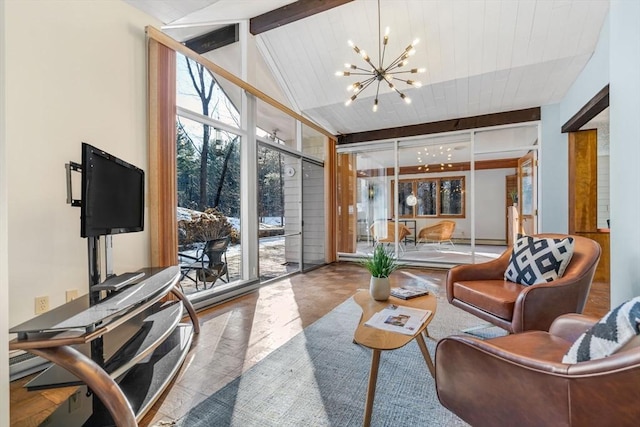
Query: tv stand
117	282
122	351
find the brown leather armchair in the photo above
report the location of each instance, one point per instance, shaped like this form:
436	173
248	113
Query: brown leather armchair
520	380
481	290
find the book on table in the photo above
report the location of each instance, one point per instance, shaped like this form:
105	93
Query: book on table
398	318
407	292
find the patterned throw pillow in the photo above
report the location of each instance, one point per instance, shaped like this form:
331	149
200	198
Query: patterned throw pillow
607	336
538	260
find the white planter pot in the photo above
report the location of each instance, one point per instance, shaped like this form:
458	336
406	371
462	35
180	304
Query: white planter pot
379	288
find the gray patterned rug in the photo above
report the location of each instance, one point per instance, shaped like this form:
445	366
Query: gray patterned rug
319	378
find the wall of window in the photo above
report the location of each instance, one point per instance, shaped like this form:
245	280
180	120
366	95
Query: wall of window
459	177
218	120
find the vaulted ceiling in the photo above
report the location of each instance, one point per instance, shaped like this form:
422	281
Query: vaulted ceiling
481	56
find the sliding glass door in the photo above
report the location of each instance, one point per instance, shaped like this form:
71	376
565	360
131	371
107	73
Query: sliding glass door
279	212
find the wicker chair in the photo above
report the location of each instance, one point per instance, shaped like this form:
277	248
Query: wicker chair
384	232
438	233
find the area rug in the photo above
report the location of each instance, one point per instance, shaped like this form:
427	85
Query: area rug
319	378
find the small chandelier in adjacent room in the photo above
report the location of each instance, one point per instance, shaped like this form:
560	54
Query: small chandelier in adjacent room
381	73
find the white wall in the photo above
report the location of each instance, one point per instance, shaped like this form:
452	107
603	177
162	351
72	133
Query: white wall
591	80
616	62
76	71
4	284
554	177
624	121
554	156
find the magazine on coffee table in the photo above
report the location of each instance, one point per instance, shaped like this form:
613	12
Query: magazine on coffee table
408	292
398	318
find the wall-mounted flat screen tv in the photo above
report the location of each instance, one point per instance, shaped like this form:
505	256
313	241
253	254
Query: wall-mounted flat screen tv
112	194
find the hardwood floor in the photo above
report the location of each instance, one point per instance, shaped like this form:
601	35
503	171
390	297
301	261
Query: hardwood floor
238	334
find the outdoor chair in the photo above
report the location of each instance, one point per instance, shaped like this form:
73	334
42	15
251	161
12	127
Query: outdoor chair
209	264
438	233
385	232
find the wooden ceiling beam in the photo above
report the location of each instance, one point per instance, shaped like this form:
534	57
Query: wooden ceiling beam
435	168
591	109
474	122
215	39
291	13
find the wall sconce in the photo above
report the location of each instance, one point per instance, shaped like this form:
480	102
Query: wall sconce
371	191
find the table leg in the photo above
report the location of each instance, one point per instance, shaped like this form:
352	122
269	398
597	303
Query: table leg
425	354
371	388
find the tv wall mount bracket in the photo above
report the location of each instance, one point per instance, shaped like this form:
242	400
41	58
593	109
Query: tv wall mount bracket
72	167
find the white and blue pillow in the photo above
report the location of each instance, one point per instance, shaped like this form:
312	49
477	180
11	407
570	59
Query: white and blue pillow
538	260
609	335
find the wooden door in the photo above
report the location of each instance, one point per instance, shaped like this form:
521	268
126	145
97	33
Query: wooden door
583	181
528	194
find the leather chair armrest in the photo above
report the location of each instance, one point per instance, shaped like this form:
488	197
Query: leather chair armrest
570	326
473	345
488	386
492	270
539	305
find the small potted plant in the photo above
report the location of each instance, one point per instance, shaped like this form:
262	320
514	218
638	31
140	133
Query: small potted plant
380	264
514	197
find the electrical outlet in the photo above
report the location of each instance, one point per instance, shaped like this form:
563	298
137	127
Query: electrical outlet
75	401
42	304
71	294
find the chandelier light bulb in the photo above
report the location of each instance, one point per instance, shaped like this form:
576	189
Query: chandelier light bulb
350	100
415	42
375	105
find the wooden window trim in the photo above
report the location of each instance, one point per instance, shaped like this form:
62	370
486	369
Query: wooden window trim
438	181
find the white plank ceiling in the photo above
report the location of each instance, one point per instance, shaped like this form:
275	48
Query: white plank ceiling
481	56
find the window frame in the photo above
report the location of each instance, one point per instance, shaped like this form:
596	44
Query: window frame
438	199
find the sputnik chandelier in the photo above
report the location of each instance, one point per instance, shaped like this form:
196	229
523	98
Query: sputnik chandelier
381	73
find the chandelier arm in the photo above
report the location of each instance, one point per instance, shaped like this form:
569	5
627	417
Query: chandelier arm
368	61
366	84
396	89
397	72
395	62
384	49
380	55
368	73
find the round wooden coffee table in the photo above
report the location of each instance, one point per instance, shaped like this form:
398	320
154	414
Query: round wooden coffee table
378	340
